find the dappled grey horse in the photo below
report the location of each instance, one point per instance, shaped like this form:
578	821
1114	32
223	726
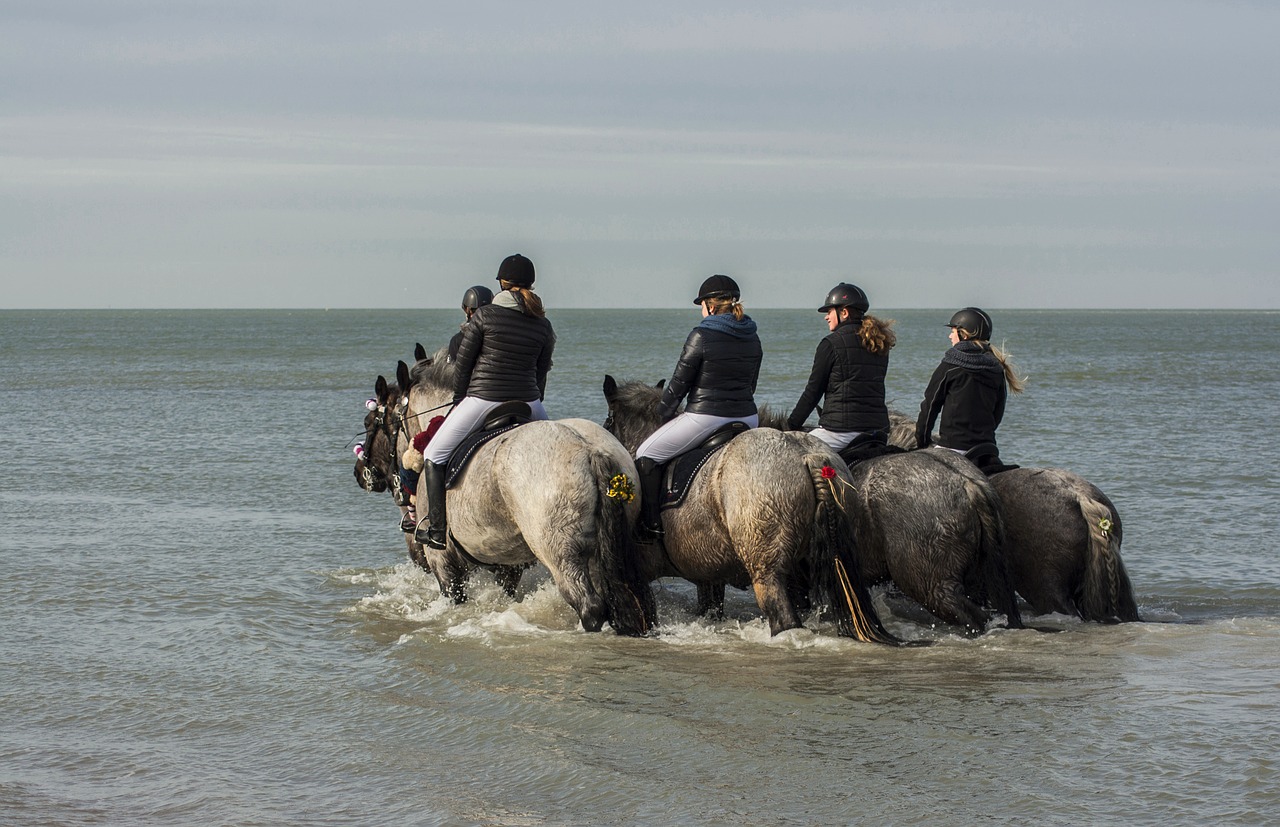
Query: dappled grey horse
556	492
1063	536
1062	540
930	522
761	513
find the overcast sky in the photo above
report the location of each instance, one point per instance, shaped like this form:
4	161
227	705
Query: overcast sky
249	153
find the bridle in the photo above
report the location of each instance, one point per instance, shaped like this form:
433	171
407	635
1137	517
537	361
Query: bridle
389	420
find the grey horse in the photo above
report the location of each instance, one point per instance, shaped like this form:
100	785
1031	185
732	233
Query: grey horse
930	523
1063	536
1062	540
763	512
555	492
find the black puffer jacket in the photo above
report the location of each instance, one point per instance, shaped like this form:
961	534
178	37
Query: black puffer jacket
969	389
504	355
717	370
851	378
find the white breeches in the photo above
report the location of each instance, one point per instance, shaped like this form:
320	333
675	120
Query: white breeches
684	432
467	416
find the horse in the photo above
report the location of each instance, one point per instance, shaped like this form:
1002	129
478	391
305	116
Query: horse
932	525
555	492
1062	540
762	513
377	469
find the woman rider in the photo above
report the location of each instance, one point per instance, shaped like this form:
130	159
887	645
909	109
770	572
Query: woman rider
504	356
849	367
717	372
475	298
969	389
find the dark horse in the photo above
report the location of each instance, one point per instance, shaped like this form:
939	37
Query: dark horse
1062	540
376	467
931	524
1063	536
763	512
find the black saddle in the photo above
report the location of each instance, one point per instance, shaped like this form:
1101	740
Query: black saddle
867	446
683	468
987	457
501	419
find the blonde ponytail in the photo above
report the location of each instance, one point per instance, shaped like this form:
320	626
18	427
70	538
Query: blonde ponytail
1016	384
877	334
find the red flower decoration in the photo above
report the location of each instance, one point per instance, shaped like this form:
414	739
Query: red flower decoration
828	472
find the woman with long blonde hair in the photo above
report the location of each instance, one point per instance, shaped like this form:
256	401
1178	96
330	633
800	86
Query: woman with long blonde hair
504	356
967	392
849	367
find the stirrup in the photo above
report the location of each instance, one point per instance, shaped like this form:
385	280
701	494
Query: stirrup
408	522
429	535
648	533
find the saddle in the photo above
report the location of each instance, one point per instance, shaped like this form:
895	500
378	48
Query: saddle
868	446
501	419
683	468
987	457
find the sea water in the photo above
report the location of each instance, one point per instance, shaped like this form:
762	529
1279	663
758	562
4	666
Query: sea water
206	621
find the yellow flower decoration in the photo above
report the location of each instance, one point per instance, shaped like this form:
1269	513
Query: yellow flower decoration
1105	525
620	488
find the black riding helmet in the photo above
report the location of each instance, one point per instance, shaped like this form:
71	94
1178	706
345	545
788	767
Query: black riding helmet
476	297
517	271
846	295
974	321
718	287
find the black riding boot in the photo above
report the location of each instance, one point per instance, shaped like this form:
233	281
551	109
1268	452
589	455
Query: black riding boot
649	527
431	530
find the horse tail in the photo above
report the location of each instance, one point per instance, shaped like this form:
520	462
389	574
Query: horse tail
1106	595
993	565
632	609
832	557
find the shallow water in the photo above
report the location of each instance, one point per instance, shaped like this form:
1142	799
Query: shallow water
208	622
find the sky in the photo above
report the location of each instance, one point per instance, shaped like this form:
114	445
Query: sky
307	153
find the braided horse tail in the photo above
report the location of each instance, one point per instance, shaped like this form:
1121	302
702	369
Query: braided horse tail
833	549
1106	595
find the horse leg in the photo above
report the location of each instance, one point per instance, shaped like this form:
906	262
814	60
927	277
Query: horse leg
451	570
949	602
508	578
711	600
569	569
771	595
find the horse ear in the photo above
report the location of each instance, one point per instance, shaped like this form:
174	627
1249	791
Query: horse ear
419	352
661	382
402	376
610	387
380	389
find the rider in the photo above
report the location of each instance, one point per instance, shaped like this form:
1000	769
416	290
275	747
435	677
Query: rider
475	298
969	389
472	300
504	356
849	367
717	371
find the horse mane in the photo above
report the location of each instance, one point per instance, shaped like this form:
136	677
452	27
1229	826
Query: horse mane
769	418
637	402
435	370
902	428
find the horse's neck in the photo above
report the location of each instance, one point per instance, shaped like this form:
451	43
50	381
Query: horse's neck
425	403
